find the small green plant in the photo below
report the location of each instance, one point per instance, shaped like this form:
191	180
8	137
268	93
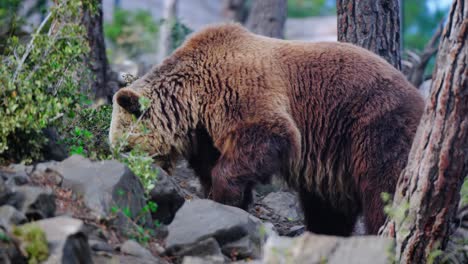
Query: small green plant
33	242
87	131
142	165
138	232
464	193
3	236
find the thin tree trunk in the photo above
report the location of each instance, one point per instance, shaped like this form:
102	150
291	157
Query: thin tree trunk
165	36
429	187
267	17
371	24
97	59
419	62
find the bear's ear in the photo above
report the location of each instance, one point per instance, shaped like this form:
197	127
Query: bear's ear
129	100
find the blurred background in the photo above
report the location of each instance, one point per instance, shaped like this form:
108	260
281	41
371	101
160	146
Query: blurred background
132	27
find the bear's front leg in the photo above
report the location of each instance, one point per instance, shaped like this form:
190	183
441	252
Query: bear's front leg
250	154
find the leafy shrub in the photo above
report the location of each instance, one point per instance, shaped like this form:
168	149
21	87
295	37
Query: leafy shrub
39	81
86	132
136	32
308	8
133	32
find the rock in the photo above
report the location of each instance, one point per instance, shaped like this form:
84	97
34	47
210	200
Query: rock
5	192
204	260
15	175
53	149
241	249
131	247
67	241
167	196
204	248
46	176
201	219
134	260
9	251
284	204
107	187
296	231
125	259
311	248
97	245
10	216
34	202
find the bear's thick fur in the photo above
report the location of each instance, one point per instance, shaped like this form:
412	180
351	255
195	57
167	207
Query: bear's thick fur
335	120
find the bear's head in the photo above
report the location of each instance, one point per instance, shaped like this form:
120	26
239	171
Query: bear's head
155	114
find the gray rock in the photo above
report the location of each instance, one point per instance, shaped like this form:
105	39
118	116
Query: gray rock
135	260
104	186
204	248
131	247
35	202
311	248
243	248
97	245
204	260
9	251
10	216
284	204
166	194
201	219
67	241
15	175
5	192
296	231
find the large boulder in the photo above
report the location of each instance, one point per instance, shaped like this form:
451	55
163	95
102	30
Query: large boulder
107	188
199	220
310	248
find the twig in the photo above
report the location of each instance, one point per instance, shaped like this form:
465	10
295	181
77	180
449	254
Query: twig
419	62
30	46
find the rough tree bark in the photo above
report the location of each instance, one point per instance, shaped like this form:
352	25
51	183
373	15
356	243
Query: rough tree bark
236	10
267	17
371	24
165	37
97	59
429	187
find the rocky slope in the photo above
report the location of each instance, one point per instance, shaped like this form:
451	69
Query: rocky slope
80	211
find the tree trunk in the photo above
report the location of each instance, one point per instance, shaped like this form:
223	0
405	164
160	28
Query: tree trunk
429	188
267	17
165	36
371	24
235	10
97	58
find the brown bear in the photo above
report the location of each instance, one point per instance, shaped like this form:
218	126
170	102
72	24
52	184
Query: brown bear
335	120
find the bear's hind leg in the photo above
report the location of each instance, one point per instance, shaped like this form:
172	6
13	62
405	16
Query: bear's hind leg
321	218
380	154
